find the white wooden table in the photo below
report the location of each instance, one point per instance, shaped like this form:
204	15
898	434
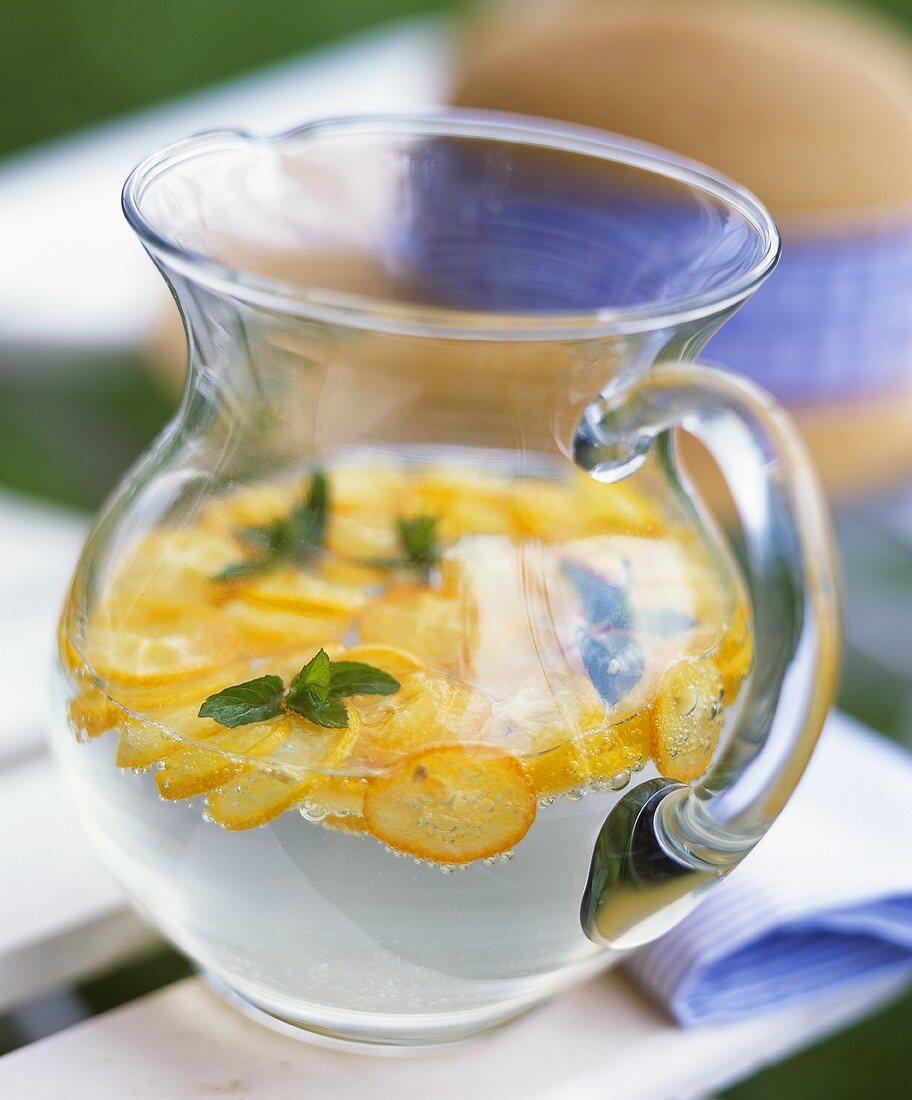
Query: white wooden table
62	919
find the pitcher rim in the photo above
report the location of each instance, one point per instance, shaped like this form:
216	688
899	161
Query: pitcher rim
386	315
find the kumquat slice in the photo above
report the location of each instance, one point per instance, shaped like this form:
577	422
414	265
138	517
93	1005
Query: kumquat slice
451	804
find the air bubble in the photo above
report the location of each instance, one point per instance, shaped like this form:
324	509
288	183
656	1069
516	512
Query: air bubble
619	782
310	814
447	868
506	856
490	861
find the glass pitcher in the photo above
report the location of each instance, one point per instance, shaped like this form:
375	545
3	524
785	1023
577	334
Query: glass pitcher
405	680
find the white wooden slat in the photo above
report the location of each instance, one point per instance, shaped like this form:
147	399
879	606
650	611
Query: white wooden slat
601	1040
61	918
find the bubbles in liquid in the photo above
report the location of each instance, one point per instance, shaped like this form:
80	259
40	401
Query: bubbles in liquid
310	814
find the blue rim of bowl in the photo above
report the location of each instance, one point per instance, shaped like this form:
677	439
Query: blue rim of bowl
388	316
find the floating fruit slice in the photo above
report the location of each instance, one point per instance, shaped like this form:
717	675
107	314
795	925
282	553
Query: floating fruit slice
362	536
144	743
169	652
686	719
452	804
544	722
427	708
559	770
92	713
255	799
264	792
735	654
346	824
466	503
341	571
390	658
436	625
297	591
169	571
193	769
559	511
249	507
618	749
263	629
372	489
337	795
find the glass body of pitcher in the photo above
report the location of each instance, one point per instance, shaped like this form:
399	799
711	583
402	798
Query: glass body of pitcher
404	681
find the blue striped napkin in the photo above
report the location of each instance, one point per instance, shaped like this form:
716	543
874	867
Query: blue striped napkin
823	903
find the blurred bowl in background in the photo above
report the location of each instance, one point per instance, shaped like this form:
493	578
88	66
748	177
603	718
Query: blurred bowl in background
807	105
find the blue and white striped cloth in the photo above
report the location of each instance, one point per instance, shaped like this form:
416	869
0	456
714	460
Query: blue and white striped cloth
823	903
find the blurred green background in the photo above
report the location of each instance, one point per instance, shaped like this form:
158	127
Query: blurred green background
70	426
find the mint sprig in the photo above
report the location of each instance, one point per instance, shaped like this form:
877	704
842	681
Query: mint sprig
254	701
316	693
419	543
295	538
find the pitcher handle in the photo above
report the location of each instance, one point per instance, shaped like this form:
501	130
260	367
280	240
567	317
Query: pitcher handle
679	839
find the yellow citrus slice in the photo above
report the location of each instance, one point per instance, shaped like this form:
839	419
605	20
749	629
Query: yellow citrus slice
194	770
427	708
342	571
263	792
144	743
337	795
297	591
451	804
256	798
370	489
393	659
467	503
176	651
362	536
170	570
438	626
263	629
91	713
735	654
686	719
249	507
619	748
346	824
559	511
597	755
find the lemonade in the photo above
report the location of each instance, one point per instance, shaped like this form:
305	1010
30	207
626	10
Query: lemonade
336	730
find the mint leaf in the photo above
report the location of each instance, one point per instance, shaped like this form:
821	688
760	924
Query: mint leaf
418	539
253	701
243	569
317	505
358	678
315	693
295	538
329	712
314	679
